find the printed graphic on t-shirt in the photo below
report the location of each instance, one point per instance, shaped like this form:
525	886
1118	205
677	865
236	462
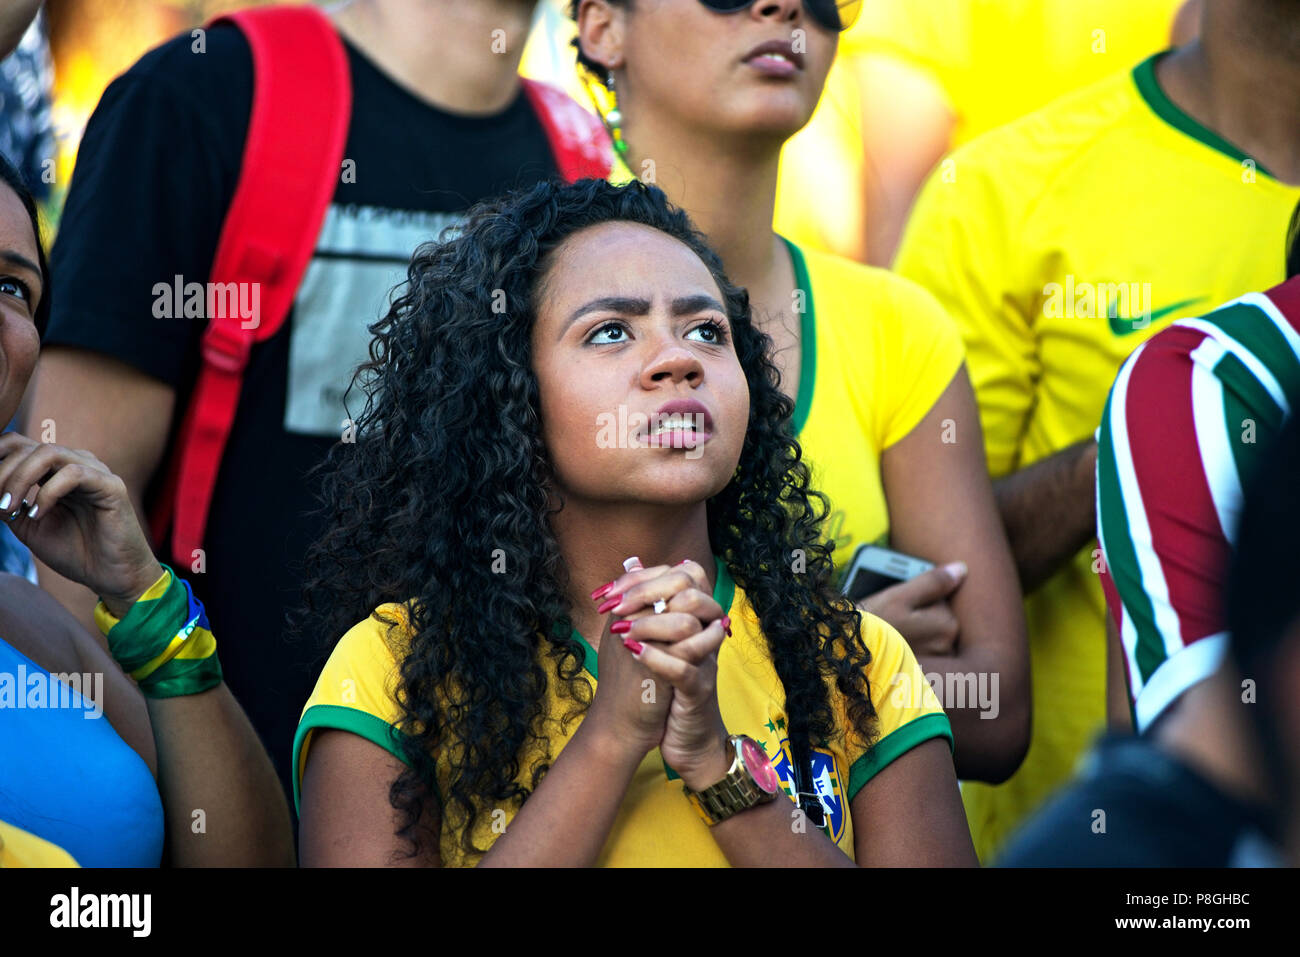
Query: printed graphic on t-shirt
826	779
361	256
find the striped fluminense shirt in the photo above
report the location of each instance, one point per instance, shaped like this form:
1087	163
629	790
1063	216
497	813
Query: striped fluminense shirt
1190	415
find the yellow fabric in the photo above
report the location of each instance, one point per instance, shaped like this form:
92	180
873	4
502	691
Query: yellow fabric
149	667
196	645
105	619
656	825
19	848
992	61
820	198
884	352
158	588
1096	189
549	55
200	643
997	60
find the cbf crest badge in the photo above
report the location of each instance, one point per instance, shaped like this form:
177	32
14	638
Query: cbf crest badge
825	777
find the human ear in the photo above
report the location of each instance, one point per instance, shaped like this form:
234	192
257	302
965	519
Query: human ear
600	32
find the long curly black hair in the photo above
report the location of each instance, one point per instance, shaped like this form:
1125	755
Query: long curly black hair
448	474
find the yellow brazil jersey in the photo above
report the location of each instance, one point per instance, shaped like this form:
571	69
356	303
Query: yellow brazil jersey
877	352
18	848
1059	243
997	60
656	825
992	60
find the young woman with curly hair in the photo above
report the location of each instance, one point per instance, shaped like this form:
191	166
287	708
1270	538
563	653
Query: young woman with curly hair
570	383
707	93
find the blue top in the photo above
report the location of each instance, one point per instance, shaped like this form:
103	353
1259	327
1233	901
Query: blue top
67	776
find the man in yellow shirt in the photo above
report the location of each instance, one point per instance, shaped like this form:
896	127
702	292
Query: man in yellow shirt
1061	242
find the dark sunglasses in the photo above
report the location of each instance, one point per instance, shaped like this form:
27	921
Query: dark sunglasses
832	14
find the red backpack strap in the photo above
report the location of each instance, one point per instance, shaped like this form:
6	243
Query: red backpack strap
579	141
297	131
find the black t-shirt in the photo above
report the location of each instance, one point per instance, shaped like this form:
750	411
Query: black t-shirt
155	174
1135	805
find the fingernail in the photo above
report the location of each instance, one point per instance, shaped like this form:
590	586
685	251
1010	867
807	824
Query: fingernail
620	627
956	569
629	564
682	562
32	513
4	502
633	646
609	603
726	624
601	591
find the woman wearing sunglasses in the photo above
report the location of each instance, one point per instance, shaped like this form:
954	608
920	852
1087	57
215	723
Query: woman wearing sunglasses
704	95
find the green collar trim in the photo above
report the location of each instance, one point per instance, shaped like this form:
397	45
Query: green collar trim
807	338
1144	76
724	591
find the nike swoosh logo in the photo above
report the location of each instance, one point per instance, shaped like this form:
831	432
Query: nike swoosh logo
1122	327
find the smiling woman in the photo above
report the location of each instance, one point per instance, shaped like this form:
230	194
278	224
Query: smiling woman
510	687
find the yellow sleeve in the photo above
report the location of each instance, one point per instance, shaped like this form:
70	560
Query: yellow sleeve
356	692
958	246
907	710
923	352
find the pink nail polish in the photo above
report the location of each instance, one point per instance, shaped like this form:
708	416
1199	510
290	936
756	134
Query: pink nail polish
601	591
620	627
726	624
609	603
633	646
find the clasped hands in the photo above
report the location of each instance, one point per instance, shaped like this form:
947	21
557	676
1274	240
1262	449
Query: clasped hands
657	684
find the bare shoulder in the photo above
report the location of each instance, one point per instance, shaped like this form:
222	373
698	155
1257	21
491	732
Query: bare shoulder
911	815
37	625
346	816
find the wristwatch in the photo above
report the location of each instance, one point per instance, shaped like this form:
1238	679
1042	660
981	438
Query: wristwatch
751	780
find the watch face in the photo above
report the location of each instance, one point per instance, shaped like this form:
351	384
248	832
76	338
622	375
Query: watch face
759	766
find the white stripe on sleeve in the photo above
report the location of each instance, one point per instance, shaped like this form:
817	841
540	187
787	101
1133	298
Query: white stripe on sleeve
1212	437
1153	578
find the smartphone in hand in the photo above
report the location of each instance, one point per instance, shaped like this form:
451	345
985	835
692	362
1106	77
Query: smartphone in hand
874	568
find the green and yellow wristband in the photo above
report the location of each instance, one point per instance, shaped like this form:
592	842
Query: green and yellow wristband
164	641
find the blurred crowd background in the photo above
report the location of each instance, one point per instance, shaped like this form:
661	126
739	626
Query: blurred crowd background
913	79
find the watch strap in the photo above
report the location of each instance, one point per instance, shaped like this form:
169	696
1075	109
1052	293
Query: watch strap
736	792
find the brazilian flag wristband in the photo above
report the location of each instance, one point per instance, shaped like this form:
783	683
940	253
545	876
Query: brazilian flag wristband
164	641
